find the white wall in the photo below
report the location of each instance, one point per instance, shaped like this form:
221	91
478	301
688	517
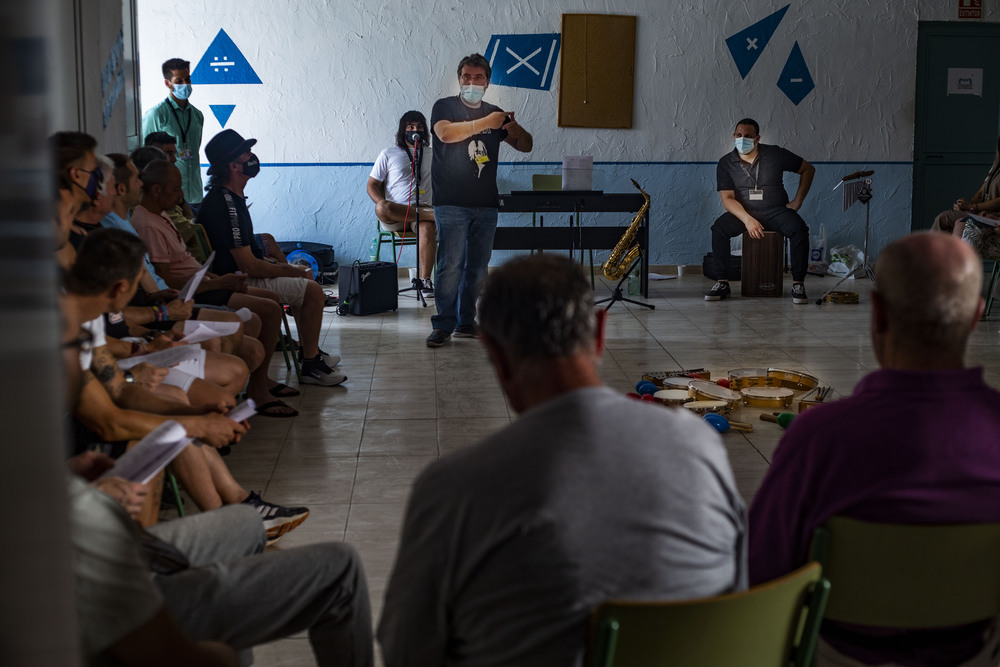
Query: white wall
337	75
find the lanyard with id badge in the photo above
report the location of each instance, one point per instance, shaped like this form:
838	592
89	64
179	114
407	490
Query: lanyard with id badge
757	193
183	151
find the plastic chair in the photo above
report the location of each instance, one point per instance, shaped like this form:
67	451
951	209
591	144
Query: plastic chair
895	576
395	239
287	344
771	625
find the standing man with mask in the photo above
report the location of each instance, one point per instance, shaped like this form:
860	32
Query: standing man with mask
749	181
467	136
182	120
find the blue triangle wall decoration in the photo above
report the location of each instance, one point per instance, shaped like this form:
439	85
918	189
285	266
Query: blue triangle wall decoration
222	112
795	81
747	45
223	63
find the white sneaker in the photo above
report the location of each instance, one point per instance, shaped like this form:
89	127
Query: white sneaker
315	371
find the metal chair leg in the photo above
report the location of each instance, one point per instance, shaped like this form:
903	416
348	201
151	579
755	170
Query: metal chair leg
286	346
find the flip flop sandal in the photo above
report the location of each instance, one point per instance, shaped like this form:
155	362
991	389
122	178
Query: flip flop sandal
262	410
282	390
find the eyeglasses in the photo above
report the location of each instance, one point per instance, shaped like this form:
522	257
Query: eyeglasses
478	79
84	342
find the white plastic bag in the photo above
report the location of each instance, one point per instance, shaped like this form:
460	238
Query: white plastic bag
844	259
817	252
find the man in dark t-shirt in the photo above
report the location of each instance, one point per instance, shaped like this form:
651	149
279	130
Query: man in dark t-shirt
467	137
749	181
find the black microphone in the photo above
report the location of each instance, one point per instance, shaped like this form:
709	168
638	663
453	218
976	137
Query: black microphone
415	137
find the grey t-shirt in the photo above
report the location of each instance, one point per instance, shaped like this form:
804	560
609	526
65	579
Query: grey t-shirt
508	546
115	593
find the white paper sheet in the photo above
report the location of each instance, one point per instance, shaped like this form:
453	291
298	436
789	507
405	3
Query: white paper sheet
196	331
578	172
163	358
151	454
243	411
187	292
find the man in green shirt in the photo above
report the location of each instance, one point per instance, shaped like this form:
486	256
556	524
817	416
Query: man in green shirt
184	121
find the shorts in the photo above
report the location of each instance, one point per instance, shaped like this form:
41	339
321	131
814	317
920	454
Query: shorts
289	290
398	226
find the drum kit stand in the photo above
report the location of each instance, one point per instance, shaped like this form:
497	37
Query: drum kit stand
856	189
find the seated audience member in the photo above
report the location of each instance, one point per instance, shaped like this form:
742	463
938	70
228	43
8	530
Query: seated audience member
985	200
391	184
222	591
913	444
226	219
126	191
507	546
180	214
750	181
161	189
102	279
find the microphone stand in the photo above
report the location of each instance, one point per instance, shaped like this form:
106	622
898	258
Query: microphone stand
416	284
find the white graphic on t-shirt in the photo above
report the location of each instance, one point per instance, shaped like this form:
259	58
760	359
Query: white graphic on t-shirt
477	153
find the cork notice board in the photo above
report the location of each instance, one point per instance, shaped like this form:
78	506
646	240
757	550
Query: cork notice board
597	68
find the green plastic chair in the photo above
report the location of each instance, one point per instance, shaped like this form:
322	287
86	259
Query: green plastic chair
395	239
894	576
991	287
771	625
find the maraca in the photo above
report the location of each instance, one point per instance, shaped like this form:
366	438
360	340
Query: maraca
782	419
721	424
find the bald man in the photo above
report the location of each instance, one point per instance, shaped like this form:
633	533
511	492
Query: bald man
918	441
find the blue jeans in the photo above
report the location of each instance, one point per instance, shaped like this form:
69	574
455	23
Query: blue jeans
465	243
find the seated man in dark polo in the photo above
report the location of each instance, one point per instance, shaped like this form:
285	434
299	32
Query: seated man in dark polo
749	181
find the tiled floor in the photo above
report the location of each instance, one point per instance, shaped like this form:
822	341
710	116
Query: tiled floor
354	451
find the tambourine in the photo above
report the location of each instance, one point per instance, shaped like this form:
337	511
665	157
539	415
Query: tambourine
791	379
740	378
704	407
841	297
703	390
677	382
767	397
657	377
673	397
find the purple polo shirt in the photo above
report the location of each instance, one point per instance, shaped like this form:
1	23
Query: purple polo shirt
906	447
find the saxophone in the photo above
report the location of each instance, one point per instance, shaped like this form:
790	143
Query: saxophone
623	256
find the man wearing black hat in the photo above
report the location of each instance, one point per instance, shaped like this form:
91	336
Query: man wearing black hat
227	222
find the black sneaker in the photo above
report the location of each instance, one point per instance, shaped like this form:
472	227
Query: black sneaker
799	293
277	520
315	371
427	287
719	291
330	360
466	331
438	338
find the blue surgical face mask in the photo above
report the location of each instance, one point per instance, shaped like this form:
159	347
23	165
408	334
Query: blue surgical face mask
182	91
744	145
472	93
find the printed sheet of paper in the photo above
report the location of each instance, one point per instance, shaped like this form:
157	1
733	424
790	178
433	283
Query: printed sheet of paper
164	358
197	331
151	454
243	411
187	292
983	222
578	172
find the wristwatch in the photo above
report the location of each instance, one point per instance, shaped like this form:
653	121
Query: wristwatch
129	378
